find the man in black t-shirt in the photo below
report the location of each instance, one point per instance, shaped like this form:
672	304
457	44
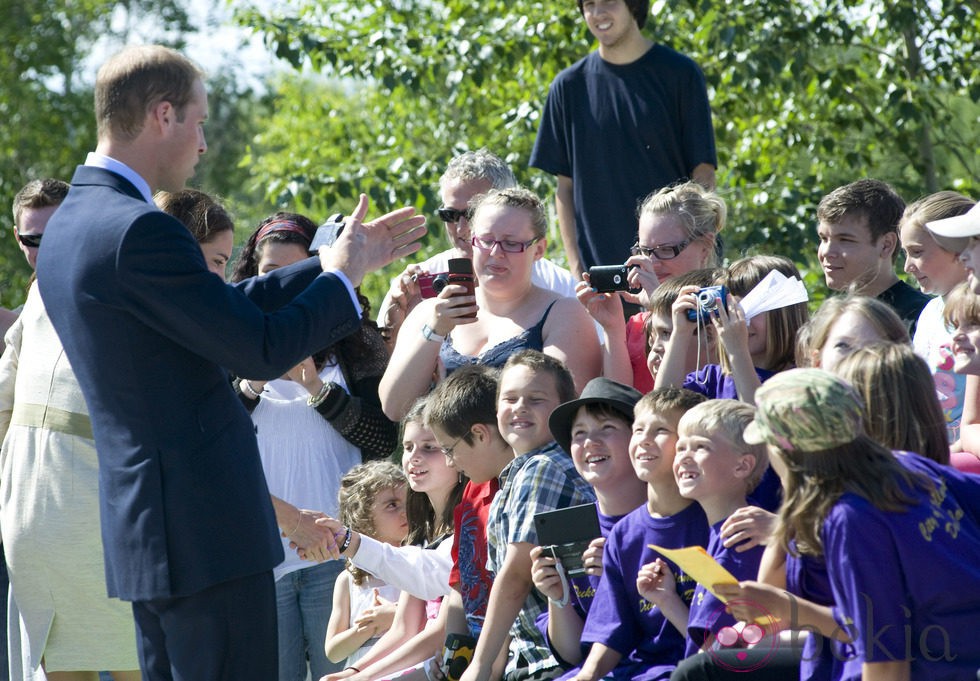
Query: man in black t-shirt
626	120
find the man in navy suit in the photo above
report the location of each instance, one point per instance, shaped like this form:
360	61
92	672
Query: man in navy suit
187	525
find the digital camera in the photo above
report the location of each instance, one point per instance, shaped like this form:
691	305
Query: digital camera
609	278
710	299
460	272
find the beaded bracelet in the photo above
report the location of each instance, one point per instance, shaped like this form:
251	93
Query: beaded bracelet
249	391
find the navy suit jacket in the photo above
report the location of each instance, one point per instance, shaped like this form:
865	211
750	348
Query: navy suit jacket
151	335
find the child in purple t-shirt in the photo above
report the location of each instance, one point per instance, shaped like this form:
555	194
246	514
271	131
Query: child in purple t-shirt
595	429
900	534
750	350
715	467
631	638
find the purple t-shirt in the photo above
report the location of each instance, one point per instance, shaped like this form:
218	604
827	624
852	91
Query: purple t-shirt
622	619
822	657
708	614
714	384
908	583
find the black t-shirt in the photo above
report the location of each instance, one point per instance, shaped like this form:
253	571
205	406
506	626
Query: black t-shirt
906	301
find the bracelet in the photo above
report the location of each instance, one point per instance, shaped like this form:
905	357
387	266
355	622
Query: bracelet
299	520
250	391
354	668
315	400
346	543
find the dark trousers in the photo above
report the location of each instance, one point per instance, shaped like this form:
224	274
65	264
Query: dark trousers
224	633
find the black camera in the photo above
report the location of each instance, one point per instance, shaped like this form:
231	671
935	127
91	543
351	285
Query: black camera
710	299
608	278
566	533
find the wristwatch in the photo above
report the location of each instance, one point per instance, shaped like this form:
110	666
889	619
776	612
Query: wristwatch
430	335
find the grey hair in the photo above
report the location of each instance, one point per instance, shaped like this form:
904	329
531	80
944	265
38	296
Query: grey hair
479	165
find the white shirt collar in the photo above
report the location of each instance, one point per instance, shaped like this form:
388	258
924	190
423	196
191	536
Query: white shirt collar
119	168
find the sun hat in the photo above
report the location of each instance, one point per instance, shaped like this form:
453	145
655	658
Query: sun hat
600	390
965	225
806	410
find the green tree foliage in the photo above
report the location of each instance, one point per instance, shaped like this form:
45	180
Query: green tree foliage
806	96
45	106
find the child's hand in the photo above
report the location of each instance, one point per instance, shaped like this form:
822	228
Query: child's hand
748	527
544	574
605	308
641	276
687	299
733	330
655	582
592	557
378	617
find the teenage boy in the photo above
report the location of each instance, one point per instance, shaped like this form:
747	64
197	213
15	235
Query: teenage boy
628	633
626	120
857	225
539	477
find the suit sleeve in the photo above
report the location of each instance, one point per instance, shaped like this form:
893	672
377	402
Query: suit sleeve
164	284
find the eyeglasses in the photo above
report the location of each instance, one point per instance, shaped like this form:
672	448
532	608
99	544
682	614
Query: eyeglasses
448	451
506	246
30	240
660	252
454	214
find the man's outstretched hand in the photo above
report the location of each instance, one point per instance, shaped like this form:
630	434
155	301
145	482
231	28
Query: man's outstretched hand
364	247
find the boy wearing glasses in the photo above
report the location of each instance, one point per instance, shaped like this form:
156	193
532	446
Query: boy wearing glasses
649	107
467	176
538	477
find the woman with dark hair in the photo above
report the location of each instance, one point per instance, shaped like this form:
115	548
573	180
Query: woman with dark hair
313	425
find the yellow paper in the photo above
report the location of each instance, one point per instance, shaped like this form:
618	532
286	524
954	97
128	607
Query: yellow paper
695	561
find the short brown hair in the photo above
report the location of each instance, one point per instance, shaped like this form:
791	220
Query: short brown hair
962	306
874	200
464	398
135	80
39	194
541	363
666	400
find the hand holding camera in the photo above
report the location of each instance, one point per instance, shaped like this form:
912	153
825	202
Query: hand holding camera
454	293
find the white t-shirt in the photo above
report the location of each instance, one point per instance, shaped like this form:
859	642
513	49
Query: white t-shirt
933	343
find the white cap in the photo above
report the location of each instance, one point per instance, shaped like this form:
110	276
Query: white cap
965	225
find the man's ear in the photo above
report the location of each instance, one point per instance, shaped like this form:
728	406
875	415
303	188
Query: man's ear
888	243
162	114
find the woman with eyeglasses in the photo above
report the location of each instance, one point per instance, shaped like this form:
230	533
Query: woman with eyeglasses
679	232
506	313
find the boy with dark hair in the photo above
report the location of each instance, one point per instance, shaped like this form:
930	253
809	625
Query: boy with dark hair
627	632
649	106
857	225
538	477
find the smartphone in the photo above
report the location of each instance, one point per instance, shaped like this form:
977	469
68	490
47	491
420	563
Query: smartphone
608	278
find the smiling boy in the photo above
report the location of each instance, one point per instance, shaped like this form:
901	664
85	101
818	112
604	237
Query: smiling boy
628	633
541	477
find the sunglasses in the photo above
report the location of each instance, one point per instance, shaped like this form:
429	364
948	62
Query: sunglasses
454	214
659	252
29	240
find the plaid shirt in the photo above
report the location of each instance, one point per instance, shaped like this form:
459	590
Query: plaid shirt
541	480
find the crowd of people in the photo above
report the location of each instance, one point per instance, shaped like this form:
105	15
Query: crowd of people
286	486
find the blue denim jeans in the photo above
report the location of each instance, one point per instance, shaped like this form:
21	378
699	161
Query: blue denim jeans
304	599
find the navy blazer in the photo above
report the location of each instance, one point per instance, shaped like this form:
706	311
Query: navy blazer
151	335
